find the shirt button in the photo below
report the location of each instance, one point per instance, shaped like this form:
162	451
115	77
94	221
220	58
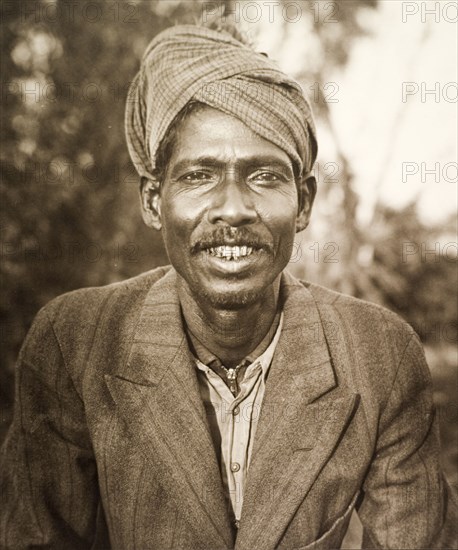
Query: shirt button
235	467
236	411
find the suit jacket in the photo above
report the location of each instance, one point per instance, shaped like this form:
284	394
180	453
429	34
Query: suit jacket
110	446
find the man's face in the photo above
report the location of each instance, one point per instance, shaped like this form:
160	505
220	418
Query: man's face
228	209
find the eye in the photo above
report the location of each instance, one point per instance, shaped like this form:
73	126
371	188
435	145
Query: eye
197	176
265	177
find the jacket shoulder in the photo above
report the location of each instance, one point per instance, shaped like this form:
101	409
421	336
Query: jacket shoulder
69	327
368	326
355	308
372	348
82	304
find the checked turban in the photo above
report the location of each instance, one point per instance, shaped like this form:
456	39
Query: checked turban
188	62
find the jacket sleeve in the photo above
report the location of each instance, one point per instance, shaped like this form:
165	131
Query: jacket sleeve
48	478
407	503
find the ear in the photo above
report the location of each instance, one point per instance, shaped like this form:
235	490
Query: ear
306	192
150	197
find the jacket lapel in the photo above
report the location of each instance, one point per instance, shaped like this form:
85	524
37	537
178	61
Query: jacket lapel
158	398
299	426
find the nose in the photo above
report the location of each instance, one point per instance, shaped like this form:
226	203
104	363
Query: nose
231	203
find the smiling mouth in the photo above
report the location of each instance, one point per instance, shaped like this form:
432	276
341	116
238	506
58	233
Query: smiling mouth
230	253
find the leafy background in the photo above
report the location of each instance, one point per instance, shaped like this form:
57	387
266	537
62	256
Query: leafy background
70	215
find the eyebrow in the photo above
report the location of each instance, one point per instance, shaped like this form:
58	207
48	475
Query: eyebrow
255	160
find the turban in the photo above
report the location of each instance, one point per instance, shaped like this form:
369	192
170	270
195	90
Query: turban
192	63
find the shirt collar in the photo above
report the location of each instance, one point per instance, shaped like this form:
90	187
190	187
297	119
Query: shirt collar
198	349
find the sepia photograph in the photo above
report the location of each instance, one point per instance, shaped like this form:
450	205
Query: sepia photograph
229	275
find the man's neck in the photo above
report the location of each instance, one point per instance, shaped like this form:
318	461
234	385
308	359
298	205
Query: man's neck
230	334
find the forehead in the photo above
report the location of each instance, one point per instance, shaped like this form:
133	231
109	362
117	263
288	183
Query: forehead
212	133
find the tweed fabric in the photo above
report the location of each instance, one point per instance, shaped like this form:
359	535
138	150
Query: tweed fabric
109	445
187	62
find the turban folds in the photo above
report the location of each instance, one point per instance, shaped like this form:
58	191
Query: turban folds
189	62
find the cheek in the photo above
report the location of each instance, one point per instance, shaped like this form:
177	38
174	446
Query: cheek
179	217
279	214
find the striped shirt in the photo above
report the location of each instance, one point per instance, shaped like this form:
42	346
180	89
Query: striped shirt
233	420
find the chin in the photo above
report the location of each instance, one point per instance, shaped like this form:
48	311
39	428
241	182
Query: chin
231	299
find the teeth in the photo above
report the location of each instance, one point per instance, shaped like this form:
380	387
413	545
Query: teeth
231	252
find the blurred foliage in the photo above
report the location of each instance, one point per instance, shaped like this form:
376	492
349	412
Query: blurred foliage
70	215
413	271
69	206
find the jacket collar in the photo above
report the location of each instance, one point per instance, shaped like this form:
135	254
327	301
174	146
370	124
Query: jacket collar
300	423
157	395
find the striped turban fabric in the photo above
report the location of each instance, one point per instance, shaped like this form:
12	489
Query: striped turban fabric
191	63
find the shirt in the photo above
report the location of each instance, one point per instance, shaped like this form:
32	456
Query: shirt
233	420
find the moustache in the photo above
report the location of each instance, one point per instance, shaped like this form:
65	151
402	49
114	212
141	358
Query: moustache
229	236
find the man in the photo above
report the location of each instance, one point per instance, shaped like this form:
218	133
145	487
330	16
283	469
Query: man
221	403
